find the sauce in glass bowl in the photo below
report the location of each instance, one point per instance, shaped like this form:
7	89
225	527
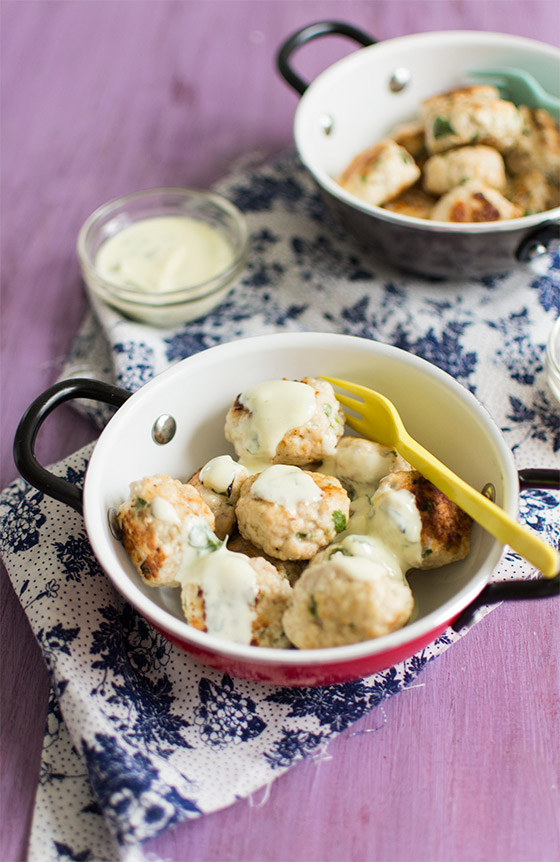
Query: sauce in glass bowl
163	256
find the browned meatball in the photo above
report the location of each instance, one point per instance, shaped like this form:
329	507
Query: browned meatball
380	173
157	521
445	528
290	513
219	483
285	422
238	598
346	600
474	201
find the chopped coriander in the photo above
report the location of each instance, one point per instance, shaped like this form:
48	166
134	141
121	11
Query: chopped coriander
327	409
344	551
140	504
202	538
339	520
442	127
426	552
313	609
301	535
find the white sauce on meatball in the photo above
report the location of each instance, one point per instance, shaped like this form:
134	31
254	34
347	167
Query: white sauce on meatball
371	548
219	473
165	511
287	486
229	588
275	407
396	521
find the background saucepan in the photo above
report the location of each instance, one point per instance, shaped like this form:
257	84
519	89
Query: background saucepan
186	406
358	100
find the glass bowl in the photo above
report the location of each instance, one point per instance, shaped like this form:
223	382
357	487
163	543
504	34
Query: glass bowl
553	360
163	307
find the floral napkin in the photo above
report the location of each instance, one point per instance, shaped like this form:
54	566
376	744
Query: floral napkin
140	736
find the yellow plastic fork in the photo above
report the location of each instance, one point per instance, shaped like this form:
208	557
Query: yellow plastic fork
381	422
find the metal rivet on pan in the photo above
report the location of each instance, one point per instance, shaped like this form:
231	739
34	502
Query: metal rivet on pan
163	429
489	491
326	123
114	524
535	249
399	79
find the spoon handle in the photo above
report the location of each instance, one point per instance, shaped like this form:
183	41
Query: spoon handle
482	510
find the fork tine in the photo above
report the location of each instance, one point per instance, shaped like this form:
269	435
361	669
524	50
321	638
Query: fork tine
355	388
357	423
352	403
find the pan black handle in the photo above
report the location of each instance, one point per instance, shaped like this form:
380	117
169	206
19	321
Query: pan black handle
307	34
538	242
501	591
33	418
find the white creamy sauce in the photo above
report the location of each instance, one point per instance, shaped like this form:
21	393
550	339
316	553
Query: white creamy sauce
218	474
396	520
364	463
164	511
229	590
287	486
229	587
276	407
164	253
361	568
375	550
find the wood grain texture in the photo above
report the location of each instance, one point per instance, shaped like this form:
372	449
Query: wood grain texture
102	98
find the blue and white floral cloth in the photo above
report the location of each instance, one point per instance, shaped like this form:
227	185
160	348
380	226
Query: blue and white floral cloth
139	736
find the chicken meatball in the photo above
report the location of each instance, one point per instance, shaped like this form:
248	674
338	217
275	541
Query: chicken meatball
346	600
414	202
474	202
471	115
219	483
370	547
532	192
238	598
411	136
538	145
289	569
358	462
380	173
161	522
285	422
290	513
445	528
444	171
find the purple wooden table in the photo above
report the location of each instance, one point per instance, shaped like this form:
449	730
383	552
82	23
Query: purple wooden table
99	99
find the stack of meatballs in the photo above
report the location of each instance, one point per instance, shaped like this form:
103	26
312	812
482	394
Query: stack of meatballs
323	527
471	157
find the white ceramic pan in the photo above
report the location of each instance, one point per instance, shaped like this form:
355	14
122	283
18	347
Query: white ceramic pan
186	406
361	98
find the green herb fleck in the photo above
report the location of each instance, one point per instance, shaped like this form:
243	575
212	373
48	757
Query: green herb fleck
339	520
426	552
202	538
327	409
442	127
405	158
301	535
344	551
140	504
313	609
